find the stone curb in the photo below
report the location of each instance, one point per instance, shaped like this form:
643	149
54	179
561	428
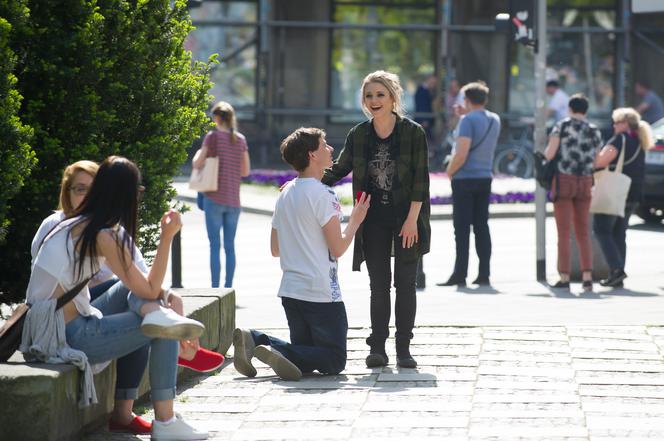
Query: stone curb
40	401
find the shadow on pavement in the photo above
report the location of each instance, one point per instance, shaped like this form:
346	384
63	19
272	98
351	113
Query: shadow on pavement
564	293
648	226
478	290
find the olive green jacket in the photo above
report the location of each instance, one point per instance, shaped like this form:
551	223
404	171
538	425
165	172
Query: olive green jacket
411	183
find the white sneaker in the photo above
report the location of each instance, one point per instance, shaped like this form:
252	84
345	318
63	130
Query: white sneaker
166	323
177	430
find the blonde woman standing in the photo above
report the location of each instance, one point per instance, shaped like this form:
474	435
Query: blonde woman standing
389	160
222	207
634	136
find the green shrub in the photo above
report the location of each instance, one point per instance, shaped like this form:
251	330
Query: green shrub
99	78
16	157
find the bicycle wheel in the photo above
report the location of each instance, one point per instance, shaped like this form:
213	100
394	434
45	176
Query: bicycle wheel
514	161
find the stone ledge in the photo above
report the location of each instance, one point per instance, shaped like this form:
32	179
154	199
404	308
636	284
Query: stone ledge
40	401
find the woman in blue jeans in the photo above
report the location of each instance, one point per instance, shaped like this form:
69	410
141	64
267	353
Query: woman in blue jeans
102	231
222	207
634	136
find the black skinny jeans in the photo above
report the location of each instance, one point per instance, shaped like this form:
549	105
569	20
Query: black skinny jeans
471	207
377	243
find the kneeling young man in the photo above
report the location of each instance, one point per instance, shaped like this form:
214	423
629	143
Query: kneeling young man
307	237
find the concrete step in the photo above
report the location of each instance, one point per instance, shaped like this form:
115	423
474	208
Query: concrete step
40	401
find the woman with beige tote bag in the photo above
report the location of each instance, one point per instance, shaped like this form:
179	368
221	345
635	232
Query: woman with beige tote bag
222	204
625	153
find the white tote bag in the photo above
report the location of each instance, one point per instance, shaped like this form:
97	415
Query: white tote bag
206	178
611	187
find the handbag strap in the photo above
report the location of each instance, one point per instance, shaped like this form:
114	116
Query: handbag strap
621	158
488	129
69	295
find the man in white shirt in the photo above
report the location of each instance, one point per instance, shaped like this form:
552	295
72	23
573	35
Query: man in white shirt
557	108
307	237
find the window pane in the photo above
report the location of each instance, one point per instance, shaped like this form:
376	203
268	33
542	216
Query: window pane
581	62
357	52
235	78
217	10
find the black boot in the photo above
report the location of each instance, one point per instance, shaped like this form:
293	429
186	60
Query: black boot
404	359
377	357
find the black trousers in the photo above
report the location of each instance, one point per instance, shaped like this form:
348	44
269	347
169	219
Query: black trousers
471	208
377	244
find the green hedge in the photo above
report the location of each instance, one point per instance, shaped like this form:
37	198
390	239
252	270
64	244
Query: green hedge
99	78
16	157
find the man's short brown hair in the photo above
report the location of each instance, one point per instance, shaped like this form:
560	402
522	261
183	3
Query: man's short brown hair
477	92
295	147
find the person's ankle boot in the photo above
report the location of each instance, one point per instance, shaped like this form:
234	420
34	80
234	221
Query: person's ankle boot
404	359
377	357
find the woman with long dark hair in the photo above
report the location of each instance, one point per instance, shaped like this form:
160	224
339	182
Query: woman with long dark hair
102	230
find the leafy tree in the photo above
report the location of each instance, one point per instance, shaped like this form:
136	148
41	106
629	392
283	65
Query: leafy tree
104	77
16	157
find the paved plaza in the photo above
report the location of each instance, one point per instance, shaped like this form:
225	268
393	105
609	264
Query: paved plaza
474	383
518	361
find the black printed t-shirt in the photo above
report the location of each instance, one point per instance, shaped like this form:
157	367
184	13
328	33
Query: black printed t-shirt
382	169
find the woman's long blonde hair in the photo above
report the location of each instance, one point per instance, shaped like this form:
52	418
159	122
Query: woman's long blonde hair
68	176
226	115
391	82
634	121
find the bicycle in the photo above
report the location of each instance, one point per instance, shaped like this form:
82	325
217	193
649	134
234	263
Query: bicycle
515	157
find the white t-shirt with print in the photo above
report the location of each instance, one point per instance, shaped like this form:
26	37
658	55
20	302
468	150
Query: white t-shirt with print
309	269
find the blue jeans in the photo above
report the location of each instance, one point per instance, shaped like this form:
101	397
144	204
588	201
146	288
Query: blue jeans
130	368
611	232
218	217
118	335
470	199
318	334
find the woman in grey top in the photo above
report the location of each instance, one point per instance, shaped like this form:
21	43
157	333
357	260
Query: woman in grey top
575	142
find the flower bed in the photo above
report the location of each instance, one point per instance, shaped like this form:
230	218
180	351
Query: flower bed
508	188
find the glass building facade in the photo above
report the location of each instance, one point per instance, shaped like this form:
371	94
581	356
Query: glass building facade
287	63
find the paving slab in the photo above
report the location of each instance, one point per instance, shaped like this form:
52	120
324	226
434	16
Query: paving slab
504	390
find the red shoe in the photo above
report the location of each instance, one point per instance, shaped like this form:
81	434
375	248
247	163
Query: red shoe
138	426
204	361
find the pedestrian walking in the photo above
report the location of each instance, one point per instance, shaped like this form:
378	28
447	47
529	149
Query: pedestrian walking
222	207
307	237
470	170
388	157
633	135
574	142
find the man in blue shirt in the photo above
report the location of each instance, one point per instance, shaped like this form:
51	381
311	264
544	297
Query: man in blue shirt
471	172
651	107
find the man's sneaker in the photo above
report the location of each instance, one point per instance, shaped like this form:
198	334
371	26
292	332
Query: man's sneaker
205	360
282	366
176	430
166	323
244	345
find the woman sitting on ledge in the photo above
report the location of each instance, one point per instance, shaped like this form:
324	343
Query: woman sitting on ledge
102	230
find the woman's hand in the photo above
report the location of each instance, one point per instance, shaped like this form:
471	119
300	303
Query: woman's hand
408	233
171	222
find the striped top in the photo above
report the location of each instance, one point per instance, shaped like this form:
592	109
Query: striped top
230	155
